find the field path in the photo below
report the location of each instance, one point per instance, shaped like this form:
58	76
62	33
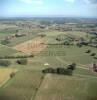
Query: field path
33	97
87	76
44	85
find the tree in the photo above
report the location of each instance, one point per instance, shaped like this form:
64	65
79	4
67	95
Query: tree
72	66
60	71
12	74
93	54
22	61
68	72
48	70
79	44
88	51
5	42
66	43
4	63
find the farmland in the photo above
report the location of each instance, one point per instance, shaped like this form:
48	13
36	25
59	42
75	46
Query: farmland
36	47
4	50
69	89
31	46
5	75
27	88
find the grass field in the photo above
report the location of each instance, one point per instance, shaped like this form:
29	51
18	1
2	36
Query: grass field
69	53
4	32
8	31
19	40
5	50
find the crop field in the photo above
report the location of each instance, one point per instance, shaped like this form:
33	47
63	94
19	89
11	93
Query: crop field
31	46
67	88
21	40
5	75
23	87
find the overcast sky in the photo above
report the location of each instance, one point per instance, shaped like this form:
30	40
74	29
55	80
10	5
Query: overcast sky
48	8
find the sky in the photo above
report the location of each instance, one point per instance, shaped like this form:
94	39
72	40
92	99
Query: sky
48	8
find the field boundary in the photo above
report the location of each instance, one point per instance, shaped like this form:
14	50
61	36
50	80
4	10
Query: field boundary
86	76
4	82
33	97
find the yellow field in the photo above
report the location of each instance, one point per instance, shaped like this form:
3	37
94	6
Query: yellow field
5	75
32	46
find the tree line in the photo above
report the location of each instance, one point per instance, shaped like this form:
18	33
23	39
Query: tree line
61	71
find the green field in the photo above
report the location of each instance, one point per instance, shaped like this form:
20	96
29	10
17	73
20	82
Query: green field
5	51
6	32
67	88
23	87
68	53
30	83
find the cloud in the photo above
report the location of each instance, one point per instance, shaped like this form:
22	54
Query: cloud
91	1
33	1
70	1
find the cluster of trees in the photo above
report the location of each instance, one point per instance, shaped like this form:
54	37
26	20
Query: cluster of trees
60	37
66	40
5	41
22	61
5	63
92	54
69	40
62	71
19	35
